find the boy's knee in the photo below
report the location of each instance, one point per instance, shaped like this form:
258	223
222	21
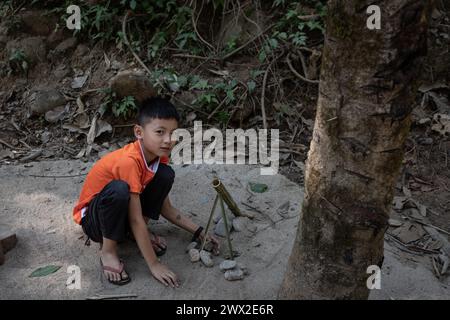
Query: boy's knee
166	173
120	191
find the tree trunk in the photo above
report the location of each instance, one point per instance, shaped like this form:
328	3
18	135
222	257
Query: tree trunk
366	96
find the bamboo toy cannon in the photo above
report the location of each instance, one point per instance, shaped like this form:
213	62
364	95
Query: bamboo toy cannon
223	196
223	192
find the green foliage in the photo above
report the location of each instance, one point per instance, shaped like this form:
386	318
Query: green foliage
124	108
170	21
18	62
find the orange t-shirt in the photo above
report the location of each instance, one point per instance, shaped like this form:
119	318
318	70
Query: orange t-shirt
127	164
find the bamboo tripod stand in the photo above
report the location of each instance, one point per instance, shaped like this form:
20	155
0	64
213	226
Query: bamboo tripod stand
222	196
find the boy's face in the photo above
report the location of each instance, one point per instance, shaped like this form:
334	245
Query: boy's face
156	135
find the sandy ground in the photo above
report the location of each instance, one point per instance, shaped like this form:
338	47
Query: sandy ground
39	209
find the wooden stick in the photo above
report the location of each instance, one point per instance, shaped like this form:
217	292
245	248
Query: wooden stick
209	221
112	296
6	144
225	221
288	61
220	188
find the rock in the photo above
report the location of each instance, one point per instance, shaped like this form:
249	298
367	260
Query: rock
116	65
220	228
239	224
425	141
37	22
34	48
192	245
45	100
55	115
227	265
56	37
235	274
81	50
61	72
394	223
45	137
133	83
238	29
66	45
206	259
195	255
78	82
244	268
8	239
424	121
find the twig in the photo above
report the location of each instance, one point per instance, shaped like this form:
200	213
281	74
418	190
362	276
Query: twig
112	296
32	156
308	17
41	176
263	94
124	23
183	55
298	74
194	25
247	43
430	225
438	275
263	91
25	144
6	144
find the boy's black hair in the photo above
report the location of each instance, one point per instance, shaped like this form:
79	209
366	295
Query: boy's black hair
156	107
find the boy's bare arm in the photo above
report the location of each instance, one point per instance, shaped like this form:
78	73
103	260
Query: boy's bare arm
142	236
176	217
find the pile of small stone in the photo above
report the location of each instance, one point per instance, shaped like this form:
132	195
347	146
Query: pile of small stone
204	255
233	271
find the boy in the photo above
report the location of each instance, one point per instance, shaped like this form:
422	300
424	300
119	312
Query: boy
127	187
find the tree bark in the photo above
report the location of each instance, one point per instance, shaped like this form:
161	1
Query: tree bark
366	96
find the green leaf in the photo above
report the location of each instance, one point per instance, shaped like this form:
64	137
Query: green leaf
251	86
133	4
44	271
258	187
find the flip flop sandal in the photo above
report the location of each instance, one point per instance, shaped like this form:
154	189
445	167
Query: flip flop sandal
122	280
155	243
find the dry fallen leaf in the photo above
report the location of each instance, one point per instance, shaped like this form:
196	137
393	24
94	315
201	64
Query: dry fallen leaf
441	124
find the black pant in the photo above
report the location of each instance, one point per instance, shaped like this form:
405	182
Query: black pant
107	213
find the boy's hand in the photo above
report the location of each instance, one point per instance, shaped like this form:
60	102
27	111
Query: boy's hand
213	240
163	274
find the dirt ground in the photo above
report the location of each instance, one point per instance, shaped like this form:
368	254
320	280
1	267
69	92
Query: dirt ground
39	208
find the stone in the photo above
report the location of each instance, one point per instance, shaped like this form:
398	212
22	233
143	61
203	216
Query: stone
45	137
206	259
45	100
235	274
8	239
2	255
61	72
244	268
192	245
66	45
239	224
133	83
194	255
81	50
37	22
220	229
55	115
227	265
34	48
